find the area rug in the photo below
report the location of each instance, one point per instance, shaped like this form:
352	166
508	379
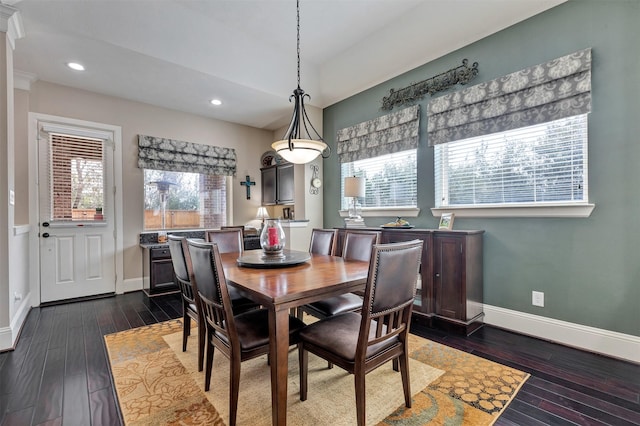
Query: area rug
158	384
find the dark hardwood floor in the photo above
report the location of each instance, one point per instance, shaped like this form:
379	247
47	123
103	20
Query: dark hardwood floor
59	373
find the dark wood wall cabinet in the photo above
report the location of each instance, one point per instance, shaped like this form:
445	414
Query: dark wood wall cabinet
157	271
278	186
450	283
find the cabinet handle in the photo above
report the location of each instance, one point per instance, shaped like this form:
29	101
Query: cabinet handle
437	275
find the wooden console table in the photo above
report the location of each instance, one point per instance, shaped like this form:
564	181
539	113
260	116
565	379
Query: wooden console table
450	284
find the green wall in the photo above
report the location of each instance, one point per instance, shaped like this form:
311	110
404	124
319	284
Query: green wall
588	268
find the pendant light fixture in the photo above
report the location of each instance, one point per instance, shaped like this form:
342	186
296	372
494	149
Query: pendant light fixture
298	145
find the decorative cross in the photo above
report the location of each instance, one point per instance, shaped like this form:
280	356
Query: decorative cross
247	182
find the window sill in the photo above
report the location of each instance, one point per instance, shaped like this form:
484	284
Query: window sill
581	210
385	212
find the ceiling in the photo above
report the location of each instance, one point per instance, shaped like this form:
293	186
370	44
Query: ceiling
180	54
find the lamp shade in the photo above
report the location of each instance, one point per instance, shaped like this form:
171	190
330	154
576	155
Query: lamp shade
262	213
354	187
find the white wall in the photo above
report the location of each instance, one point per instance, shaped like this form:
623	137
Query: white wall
138	118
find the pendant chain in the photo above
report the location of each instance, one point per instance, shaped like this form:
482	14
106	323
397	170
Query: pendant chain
298	40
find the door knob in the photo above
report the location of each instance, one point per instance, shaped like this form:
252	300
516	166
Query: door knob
45	235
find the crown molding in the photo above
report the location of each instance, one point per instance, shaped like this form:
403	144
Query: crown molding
11	23
23	80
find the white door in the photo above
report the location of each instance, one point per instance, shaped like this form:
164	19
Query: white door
77	239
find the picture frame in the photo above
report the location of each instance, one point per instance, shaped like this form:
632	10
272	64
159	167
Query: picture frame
286	213
446	221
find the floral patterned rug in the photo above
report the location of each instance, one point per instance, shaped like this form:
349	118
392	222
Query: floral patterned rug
158	384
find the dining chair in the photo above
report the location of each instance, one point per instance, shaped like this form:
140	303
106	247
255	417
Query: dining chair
228	240
323	241
240	227
361	342
239	337
357	246
189	294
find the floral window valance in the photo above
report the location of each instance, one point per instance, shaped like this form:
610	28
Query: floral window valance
178	156
557	89
388	134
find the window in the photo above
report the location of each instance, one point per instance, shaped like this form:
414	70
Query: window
535	165
515	145
185	183
191	200
391	179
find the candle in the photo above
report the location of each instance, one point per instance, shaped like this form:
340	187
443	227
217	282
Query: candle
273	236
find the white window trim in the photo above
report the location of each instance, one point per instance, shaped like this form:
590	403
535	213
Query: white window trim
549	210
385	212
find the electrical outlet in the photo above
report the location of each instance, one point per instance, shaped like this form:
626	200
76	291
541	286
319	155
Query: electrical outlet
537	298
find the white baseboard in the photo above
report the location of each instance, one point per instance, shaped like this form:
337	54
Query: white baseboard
9	335
592	339
132	284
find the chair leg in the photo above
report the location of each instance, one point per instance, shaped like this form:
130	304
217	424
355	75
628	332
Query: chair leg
359	378
395	365
234	389
406	383
208	368
202	336
186	329
303	363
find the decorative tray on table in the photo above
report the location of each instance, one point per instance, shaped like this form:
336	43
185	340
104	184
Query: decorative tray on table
257	259
398	224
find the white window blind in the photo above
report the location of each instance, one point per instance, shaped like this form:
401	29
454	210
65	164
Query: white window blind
390	180
536	165
76	177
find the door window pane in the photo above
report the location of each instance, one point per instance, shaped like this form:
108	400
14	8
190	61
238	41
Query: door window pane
76	170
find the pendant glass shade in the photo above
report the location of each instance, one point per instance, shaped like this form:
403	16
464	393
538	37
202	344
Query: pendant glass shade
304	150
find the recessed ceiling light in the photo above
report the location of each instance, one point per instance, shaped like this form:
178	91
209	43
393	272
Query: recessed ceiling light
216	102
75	66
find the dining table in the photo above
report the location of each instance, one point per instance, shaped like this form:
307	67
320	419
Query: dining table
282	287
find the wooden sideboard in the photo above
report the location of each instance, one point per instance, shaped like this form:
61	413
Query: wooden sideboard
450	282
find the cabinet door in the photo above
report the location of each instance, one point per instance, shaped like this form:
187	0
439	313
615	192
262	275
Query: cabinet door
269	186
424	292
285	184
448	268
162	278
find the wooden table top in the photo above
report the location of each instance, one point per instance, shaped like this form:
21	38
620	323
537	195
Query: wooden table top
295	285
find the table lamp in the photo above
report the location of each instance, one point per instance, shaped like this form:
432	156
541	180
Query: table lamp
262	214
354	187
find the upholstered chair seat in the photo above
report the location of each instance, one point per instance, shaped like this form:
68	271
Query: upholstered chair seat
345	342
357	246
253	330
334	305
